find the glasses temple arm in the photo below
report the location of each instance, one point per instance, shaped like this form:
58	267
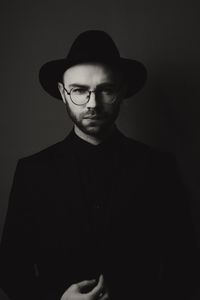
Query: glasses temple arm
66	89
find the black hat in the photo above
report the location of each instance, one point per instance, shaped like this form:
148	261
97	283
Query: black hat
93	46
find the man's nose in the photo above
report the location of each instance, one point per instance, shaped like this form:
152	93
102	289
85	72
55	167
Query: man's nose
92	103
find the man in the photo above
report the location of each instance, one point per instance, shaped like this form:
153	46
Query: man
98	215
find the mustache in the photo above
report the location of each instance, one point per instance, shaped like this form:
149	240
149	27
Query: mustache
94	114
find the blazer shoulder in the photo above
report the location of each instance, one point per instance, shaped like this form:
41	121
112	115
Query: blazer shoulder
46	155
151	153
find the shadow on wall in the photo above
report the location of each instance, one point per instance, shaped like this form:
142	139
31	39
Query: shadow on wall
176	94
166	115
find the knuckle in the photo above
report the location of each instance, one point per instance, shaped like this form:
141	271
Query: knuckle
73	287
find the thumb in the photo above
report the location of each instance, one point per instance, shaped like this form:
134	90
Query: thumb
86	285
98	289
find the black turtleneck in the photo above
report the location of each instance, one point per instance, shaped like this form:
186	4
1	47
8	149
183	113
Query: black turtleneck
98	171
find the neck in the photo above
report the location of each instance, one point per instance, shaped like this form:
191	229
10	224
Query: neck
94	140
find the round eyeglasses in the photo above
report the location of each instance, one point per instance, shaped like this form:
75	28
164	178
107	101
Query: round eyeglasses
81	95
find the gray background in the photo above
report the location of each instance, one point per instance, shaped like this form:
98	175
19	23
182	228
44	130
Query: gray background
162	34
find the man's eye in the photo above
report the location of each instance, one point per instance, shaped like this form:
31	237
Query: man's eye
108	91
79	91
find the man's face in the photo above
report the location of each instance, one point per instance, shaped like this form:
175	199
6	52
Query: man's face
95	117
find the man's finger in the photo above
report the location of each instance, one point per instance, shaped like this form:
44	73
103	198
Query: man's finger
86	285
98	288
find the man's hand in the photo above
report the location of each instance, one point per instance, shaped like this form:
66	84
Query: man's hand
87	290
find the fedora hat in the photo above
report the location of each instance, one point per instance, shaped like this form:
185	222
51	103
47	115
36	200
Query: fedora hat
93	46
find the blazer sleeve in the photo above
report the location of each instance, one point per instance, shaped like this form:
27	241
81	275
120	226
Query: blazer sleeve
18	272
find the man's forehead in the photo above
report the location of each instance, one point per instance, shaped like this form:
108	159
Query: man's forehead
88	72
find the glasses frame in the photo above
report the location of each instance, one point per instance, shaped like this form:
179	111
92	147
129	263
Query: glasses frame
90	92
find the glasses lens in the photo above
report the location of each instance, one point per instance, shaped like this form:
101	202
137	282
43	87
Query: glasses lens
79	95
107	95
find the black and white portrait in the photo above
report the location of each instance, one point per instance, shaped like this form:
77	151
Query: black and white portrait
100	195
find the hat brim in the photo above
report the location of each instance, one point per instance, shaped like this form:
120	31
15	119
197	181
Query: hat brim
134	74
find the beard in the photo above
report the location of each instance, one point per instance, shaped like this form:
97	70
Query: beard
94	122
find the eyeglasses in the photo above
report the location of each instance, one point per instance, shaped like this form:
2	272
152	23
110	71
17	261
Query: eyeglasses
81	95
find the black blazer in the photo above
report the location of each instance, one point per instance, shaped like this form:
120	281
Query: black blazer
146	247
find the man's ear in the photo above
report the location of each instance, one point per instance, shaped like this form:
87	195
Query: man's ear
61	90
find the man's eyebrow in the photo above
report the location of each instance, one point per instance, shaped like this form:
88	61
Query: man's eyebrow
78	85
109	84
87	86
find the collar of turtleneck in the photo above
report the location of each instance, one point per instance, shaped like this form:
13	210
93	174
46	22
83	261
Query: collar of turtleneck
86	150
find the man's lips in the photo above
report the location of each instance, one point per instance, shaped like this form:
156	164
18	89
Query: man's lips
94	117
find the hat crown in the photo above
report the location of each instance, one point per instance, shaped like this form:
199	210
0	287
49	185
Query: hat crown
93	45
